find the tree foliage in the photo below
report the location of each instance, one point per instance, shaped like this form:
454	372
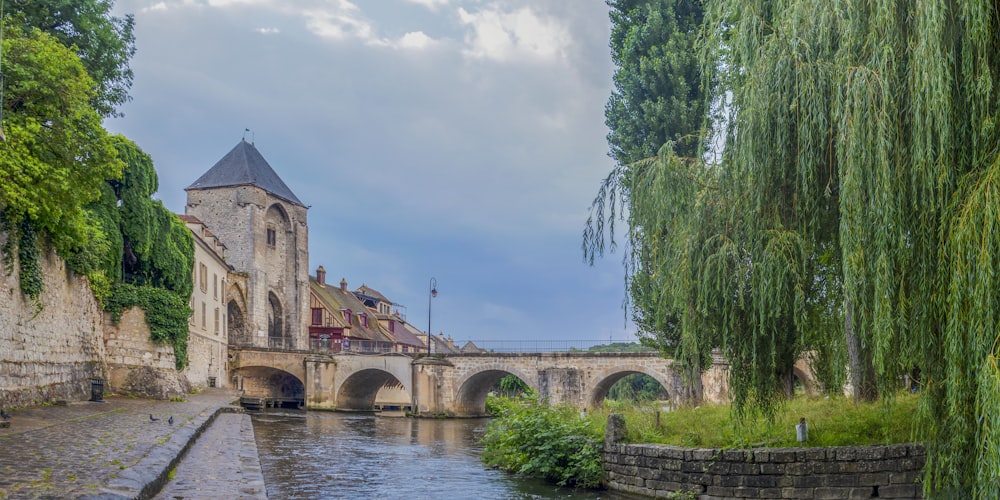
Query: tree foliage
659	99
158	247
104	42
852	214
57	156
533	438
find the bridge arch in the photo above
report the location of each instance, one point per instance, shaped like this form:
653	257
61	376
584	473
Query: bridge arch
359	390
274	384
470	397
602	381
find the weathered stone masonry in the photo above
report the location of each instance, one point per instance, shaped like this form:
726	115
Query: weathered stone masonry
828	473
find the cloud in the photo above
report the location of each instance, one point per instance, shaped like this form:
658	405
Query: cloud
430	4
268	31
415	40
503	36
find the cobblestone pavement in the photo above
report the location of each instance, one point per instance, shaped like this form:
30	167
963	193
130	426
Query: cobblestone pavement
101	450
223	463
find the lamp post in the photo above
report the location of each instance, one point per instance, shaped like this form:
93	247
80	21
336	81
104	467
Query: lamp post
433	293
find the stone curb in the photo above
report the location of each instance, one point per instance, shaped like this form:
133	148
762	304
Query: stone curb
136	482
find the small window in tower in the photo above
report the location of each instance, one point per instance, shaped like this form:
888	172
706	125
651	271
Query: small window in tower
272	237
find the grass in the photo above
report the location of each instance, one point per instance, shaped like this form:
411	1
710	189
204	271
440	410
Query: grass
835	421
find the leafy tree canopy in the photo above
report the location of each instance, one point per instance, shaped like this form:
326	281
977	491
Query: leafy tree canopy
104	42
57	156
854	206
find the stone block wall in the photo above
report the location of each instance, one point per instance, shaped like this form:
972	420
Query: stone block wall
136	364
813	473
50	349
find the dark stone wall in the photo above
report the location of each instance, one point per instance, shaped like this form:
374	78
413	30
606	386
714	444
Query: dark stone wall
819	473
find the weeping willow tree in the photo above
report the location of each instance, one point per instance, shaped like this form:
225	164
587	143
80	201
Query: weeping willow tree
853	213
890	108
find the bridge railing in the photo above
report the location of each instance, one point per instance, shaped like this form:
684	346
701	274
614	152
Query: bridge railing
357	346
514	346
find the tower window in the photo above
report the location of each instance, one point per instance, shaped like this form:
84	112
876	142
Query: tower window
272	237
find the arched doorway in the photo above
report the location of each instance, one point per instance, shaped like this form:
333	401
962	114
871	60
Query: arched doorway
275	323
237	333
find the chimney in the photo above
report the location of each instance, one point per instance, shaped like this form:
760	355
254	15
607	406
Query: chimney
343	284
321	276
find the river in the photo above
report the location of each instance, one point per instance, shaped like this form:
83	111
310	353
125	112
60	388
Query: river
341	455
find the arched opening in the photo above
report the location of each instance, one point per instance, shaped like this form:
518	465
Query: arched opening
275	323
264	386
637	387
802	383
373	390
471	398
236	330
629	385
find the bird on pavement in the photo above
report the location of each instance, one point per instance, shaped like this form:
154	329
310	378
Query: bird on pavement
170	420
4	414
152	418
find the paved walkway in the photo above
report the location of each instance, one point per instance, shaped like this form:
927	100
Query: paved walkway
111	449
223	463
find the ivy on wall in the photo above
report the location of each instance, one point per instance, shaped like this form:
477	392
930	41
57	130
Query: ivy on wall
22	241
166	314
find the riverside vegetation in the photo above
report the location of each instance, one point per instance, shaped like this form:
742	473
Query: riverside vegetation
562	445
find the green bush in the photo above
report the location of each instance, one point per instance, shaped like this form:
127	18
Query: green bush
166	314
552	442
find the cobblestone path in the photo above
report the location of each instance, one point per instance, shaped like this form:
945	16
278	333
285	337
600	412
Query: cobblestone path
223	463
101	450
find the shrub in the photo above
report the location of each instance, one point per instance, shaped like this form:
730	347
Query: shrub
533	438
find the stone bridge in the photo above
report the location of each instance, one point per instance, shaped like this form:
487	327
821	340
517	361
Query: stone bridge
452	385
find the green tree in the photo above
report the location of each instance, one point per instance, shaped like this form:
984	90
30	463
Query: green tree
104	42
854	206
658	95
57	156
659	102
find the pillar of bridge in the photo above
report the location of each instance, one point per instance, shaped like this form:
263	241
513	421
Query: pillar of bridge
430	387
319	382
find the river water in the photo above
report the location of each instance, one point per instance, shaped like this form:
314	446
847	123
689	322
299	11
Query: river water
341	455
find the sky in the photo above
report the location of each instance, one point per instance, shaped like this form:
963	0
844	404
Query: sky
460	140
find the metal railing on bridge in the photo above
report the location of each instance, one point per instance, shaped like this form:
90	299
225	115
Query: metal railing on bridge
456	347
531	346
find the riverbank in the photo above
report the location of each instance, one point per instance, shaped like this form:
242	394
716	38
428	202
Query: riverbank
114	450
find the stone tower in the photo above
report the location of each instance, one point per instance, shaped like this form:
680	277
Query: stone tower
263	225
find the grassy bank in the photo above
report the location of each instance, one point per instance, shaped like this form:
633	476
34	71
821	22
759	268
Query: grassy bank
832	422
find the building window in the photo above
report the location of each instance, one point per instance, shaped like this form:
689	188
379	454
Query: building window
215	286
203	274
317	316
203	322
191	319
363	319
392	326
216	320
272	237
347	315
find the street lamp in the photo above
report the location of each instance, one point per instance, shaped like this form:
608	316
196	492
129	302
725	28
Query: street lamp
433	293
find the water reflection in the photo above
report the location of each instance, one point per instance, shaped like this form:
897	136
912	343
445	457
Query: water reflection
339	455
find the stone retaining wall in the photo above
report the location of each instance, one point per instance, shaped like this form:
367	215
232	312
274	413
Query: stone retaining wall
827	473
52	347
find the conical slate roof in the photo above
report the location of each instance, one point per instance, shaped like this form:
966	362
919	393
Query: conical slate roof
242	166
